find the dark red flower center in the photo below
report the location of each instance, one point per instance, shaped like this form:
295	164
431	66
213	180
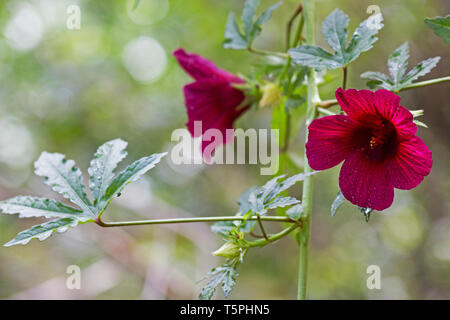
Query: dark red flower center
376	137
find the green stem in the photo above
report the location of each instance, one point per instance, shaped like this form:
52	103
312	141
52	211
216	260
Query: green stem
325	111
189	220
268	53
298	33
274	237
344	80
312	100
289	26
426	83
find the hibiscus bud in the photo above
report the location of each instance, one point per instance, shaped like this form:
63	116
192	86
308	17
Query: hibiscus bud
271	95
229	250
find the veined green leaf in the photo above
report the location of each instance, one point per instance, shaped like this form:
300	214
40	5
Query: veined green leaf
420	70
45	230
364	37
28	207
397	63
440	26
63	177
102	166
280	202
334	30
315	57
132	173
380	79
262	19
295	212
248	15
224	276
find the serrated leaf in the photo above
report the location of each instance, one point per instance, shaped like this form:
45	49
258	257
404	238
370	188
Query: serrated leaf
314	57
262	19
63	177
338	201
45	230
222	227
420	70
335	33
233	36
132	173
102	166
280	202
28	207
364	36
223	276
440	26
295	212
397	63
334	30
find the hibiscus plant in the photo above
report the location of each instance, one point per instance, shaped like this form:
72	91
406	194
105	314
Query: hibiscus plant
370	132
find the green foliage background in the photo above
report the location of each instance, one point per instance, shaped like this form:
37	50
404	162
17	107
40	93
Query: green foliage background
72	92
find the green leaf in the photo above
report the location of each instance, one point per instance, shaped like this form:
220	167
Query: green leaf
240	40
334	29
282	202
102	166
28	207
233	36
314	57
248	15
295	212
420	70
338	201
45	230
136	4
223	276
364	37
132	173
397	64
223	227
440	26
63	177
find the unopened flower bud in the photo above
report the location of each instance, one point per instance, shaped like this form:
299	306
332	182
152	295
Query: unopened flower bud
271	95
229	250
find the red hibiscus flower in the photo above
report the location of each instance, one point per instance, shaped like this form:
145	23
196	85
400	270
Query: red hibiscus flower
377	142
211	98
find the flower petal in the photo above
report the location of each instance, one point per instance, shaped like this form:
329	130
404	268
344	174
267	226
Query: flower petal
388	105
214	103
200	68
356	103
411	164
366	183
329	141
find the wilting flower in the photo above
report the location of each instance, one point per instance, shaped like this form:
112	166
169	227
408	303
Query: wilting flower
377	142
211	98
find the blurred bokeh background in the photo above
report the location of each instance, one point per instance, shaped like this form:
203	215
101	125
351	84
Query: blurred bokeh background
69	91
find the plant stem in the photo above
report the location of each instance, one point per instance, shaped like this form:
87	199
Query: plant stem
190	220
426	83
261	226
274	237
312	97
289	26
344	80
325	111
268	53
327	103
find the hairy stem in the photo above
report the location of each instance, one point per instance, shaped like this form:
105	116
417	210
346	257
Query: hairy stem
426	83
312	97
190	220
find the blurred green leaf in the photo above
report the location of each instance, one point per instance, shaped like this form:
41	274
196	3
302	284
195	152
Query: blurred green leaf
295	212
440	26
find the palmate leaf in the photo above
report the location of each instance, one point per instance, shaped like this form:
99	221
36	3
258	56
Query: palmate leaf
63	177
238	39
102	167
223	276
132	173
399	78
45	230
334	30
440	26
